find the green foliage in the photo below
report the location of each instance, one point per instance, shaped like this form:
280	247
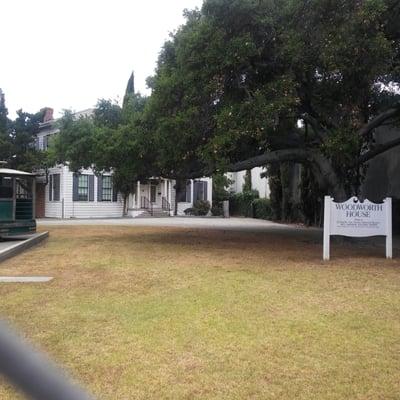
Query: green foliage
234	80
217	209
17	139
242	203
200	208
112	138
248	204
220	183
262	209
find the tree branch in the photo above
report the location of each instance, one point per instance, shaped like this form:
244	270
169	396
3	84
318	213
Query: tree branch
379	120
299	155
317	128
379	149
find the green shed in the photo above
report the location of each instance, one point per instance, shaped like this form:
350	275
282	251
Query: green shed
17	202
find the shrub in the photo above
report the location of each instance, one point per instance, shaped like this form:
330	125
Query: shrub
262	209
241	203
200	207
189	211
217	209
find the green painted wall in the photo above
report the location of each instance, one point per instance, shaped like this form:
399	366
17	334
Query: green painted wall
6	210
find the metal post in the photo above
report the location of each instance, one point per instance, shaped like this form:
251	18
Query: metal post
171	213
327	227
138	195
33	373
33	197
388	216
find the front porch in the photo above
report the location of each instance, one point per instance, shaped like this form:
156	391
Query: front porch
152	197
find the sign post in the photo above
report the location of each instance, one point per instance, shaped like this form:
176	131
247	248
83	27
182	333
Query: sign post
355	218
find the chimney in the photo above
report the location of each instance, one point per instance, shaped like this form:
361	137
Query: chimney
48	114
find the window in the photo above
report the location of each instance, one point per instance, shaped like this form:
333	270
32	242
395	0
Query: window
83	188
200	190
6	187
184	191
107	189
23	188
54	187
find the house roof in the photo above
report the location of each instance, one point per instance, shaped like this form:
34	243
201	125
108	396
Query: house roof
8	171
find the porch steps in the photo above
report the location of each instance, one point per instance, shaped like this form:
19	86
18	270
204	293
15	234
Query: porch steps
157	213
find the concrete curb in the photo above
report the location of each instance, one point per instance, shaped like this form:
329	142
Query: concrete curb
19	247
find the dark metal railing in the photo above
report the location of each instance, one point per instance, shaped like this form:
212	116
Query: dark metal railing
165	204
146	204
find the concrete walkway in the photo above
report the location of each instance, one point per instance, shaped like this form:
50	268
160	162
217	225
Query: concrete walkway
242	224
206	222
16	245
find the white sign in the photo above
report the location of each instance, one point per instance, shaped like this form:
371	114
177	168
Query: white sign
357	218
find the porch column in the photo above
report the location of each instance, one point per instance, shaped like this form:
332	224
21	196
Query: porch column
166	189
138	194
192	191
170	196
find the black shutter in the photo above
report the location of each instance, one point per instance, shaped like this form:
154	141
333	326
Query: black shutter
100	188
91	187
75	196
196	191
115	191
50	187
205	193
188	191
56	187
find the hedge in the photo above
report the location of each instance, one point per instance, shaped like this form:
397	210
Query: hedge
248	204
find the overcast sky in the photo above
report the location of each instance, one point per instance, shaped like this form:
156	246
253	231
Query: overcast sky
69	53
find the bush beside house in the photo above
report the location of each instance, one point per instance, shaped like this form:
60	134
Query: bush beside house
200	208
248	204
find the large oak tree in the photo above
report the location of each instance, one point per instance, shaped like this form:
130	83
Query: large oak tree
245	83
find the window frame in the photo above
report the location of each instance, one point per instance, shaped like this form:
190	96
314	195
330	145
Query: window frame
106	190
55	187
85	188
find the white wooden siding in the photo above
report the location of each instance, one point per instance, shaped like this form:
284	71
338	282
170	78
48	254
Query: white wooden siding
257	183
67	208
182	206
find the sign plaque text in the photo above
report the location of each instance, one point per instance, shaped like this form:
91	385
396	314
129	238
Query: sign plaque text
357	218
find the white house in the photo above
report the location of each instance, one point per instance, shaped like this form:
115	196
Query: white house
258	182
61	193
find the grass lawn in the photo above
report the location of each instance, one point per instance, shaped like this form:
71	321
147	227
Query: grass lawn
165	313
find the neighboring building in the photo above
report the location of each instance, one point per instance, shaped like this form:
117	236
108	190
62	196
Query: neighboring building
64	194
258	182
383	174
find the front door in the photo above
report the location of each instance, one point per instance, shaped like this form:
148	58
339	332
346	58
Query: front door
153	193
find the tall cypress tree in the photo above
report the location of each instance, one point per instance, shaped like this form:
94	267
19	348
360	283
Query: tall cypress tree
5	143
3	113
130	90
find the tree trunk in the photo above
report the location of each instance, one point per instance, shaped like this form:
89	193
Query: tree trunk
125	206
327	178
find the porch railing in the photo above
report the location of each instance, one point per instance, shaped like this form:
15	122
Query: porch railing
166	204
146	204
